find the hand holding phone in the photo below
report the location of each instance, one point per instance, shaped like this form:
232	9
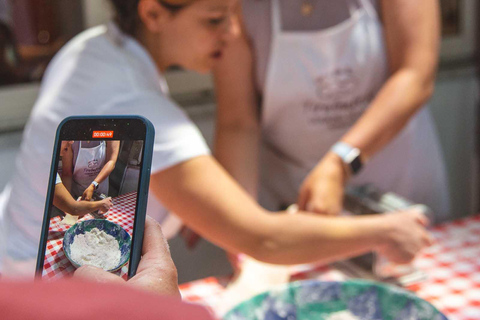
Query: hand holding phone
95	154
156	270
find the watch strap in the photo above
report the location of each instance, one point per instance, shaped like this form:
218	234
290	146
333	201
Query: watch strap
349	155
95	184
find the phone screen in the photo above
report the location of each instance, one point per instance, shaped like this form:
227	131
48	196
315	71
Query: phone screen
93	197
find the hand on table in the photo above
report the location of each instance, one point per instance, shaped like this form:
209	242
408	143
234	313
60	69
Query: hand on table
322	190
156	271
405	235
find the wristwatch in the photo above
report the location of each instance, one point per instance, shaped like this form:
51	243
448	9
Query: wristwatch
95	184
350	156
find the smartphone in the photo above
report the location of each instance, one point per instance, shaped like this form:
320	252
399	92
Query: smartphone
97	196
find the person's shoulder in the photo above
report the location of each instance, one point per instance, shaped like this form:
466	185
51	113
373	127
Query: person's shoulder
88	72
85	41
152	104
91	34
177	138
92	49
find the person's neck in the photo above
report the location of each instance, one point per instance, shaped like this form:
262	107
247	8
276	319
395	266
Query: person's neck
150	42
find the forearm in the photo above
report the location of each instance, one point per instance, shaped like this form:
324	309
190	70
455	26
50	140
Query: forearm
64	201
213	204
237	124
105	172
412	37
67	182
81	208
292	239
112	150
76	208
400	98
237	148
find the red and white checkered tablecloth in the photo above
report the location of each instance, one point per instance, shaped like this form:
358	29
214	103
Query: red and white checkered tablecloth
57	265
452	266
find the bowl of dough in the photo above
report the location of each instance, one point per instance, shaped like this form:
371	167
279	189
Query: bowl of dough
97	242
349	300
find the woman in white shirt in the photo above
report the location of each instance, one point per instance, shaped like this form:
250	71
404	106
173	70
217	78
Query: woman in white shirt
117	69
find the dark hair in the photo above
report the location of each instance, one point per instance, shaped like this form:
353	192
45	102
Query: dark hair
126	13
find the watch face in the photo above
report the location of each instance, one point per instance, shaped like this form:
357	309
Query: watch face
356	164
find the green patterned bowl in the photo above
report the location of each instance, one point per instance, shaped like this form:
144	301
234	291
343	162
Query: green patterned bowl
111	228
352	300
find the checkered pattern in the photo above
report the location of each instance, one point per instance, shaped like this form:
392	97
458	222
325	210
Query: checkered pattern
57	265
452	265
207	292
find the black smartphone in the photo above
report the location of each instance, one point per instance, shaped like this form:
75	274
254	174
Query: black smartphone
97	196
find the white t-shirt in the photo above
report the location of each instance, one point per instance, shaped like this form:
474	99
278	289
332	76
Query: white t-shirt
99	72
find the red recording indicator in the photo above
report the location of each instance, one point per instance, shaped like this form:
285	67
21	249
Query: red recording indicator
102	134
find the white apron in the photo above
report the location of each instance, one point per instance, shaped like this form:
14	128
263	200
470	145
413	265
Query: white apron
88	165
318	84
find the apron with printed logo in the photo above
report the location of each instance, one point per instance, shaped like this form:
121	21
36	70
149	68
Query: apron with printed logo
88	165
318	85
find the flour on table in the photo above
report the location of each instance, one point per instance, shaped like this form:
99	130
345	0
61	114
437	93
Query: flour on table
96	248
342	315
69	220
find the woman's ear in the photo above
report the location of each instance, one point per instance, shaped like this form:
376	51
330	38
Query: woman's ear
152	15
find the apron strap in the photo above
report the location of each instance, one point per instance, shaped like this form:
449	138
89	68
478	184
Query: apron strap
369	8
276	18
75	156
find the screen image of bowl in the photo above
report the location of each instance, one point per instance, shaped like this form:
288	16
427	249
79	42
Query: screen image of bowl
110	228
349	300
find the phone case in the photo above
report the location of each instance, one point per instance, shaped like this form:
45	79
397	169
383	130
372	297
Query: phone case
142	195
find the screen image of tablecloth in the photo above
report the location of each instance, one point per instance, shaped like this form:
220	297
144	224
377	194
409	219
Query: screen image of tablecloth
56	264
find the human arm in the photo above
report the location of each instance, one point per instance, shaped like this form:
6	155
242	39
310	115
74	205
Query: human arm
237	124
412	40
112	150
63	200
66	153
210	202
156	271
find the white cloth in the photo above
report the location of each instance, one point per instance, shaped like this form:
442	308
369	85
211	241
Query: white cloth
88	165
318	84
99	72
58	180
